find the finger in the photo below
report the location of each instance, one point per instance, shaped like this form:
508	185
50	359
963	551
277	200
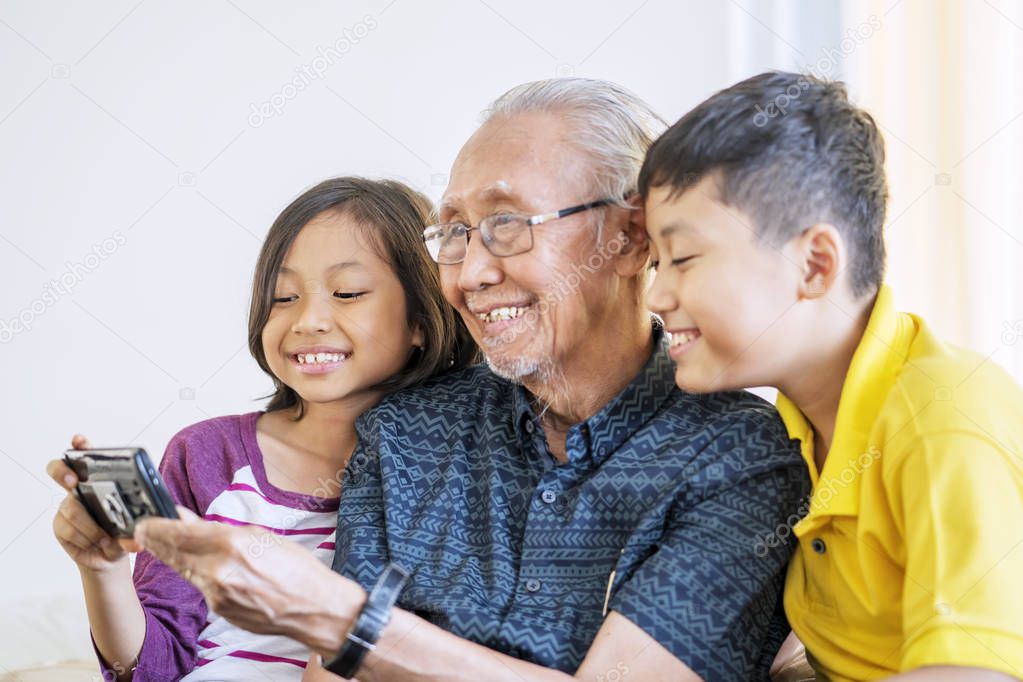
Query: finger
66	533
80	442
70	535
95	538
75	513
129	545
111	548
172	539
313	669
152	536
186	514
62	474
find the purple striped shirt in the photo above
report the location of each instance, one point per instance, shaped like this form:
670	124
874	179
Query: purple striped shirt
215	468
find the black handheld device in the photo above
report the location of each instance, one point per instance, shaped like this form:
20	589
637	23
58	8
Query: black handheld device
118	486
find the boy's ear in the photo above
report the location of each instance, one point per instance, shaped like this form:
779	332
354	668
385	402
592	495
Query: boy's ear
823	259
630	243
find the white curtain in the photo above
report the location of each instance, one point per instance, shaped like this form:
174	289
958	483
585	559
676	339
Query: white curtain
945	82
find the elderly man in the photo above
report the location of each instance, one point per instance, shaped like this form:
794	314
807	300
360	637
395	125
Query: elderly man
564	509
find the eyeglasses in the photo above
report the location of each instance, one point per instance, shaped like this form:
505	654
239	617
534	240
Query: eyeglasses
504	234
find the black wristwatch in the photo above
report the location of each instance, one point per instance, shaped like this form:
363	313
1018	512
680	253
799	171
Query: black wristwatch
372	620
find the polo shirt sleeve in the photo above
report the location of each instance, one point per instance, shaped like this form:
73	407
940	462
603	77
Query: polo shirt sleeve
710	592
960	495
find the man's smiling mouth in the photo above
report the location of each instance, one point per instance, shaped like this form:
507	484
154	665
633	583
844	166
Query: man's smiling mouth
502	314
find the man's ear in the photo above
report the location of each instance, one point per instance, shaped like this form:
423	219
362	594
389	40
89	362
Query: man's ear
821	254
631	244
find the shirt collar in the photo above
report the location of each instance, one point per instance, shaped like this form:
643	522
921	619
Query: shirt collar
523	410
879	357
613	424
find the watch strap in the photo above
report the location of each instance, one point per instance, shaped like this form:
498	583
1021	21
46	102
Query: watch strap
373	618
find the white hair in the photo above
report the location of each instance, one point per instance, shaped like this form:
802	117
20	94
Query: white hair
611	126
612	129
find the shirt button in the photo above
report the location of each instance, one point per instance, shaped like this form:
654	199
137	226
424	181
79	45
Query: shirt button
819	546
529	427
532	585
548	496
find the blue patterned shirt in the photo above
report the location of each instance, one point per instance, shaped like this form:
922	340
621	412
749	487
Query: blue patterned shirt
672	493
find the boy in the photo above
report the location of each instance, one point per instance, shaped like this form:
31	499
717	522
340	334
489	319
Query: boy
765	206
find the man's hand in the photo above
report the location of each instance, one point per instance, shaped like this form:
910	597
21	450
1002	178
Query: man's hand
256	579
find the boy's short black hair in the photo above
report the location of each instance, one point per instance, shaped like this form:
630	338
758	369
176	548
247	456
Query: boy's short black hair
789	150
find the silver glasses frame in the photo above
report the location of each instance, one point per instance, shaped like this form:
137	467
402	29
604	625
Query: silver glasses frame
433	233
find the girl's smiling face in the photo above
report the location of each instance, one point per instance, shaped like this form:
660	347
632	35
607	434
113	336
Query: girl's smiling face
338	325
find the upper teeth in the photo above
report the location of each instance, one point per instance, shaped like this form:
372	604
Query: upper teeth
500	314
312	358
684	337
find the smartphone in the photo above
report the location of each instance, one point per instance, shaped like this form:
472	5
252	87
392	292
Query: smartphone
119	486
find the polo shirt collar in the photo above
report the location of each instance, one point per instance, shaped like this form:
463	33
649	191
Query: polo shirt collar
613	424
875	365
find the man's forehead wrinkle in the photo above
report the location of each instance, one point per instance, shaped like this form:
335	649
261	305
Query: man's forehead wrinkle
497	190
500	189
516	159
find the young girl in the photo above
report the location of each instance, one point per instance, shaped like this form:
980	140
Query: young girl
346	306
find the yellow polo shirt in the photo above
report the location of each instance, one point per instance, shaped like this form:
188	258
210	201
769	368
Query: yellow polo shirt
911	553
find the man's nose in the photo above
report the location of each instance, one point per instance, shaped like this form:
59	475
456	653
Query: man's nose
479	268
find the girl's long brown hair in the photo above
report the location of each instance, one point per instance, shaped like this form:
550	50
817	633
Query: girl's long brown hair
394	217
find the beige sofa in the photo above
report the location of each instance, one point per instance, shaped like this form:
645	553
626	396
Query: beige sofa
46	639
